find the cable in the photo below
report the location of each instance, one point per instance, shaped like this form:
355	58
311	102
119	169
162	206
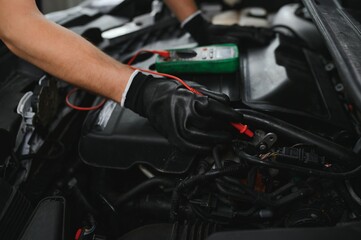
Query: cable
143	187
170	76
219	173
84	231
307	171
164	54
228	186
69	104
206	217
79	234
293	32
352	192
190	182
332	150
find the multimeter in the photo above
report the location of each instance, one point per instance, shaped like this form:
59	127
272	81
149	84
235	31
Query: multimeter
222	58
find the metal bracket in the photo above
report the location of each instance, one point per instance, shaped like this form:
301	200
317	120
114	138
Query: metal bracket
263	142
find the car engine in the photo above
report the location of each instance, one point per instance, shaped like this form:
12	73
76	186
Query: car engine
108	174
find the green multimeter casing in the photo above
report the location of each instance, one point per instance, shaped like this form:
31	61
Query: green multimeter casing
221	58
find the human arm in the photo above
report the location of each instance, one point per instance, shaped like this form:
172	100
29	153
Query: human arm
205	33
190	121
59	51
182	9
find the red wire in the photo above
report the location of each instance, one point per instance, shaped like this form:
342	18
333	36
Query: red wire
67	101
164	54
170	76
78	234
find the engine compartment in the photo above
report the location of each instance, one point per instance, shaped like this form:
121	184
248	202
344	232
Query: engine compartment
108	174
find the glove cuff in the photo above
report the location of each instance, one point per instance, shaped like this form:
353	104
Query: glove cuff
130	81
197	26
133	94
188	19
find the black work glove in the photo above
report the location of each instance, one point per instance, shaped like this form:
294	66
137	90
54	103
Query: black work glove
187	120
206	33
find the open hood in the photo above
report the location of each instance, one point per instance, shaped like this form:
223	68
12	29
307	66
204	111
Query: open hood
340	24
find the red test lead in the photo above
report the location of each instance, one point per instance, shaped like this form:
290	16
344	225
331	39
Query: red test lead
243	129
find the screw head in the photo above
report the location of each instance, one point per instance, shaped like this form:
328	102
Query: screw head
262	147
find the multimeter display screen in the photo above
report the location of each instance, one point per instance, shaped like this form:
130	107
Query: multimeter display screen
224	53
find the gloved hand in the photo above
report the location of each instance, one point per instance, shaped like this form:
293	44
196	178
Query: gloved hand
187	120
206	33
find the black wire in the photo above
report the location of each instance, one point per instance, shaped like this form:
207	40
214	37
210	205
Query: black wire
233	188
27	157
246	213
230	170
190	182
232	193
288	29
219	165
15	158
294	33
251	178
202	215
83	200
307	171
352	192
16	167
282	189
217	159
143	187
223	199
332	150
214	174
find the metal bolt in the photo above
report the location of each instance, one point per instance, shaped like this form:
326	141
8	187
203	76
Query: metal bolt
329	67
339	87
262	147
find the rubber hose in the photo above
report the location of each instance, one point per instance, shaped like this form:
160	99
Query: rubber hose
332	150
306	171
142	188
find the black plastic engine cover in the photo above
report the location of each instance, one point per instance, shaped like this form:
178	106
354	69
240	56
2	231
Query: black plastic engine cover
118	138
47	221
351	232
15	211
291	82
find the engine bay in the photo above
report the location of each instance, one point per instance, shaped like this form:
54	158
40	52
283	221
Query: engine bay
108	174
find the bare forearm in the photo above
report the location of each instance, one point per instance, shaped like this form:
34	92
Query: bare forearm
182	9
66	55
